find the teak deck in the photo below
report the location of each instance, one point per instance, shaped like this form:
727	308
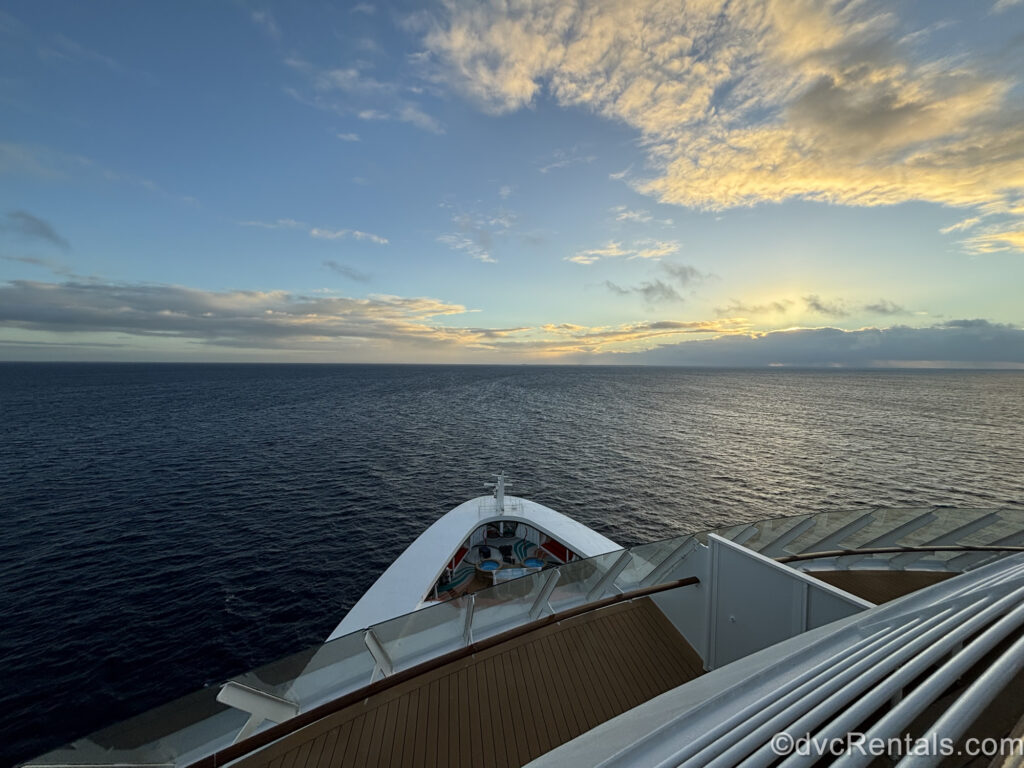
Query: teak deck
507	705
881	586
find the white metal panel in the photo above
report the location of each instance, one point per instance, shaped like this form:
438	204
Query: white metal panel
756	602
686	607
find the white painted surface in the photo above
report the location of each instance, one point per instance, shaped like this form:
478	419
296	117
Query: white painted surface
404	585
686	607
755	602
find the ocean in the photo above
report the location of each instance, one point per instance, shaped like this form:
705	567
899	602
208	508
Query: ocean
166	526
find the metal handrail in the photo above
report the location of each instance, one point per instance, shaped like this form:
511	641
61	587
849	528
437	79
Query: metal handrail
710	744
910	668
897	550
900	716
966	709
261	739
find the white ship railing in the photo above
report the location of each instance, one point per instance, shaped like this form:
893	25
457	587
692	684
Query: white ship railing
199	725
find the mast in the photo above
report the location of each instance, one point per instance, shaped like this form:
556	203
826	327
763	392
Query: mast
499	492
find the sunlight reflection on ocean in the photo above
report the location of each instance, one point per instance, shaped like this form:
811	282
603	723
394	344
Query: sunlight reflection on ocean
167	526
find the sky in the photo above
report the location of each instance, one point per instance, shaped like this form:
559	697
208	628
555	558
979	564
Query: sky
708	182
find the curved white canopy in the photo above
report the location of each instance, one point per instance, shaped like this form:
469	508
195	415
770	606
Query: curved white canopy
403	586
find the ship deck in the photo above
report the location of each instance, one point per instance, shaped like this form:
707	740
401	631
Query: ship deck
506	705
515	701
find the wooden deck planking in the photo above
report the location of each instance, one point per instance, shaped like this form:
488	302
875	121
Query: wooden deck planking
599	704
441	727
327	753
1014	756
526	739
534	700
344	741
506	705
879	586
477	701
593	703
502	718
363	745
581	722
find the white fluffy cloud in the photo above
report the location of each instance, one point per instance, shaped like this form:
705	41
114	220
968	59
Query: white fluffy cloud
339	234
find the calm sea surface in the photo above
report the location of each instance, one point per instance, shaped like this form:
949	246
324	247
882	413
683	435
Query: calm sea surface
167	526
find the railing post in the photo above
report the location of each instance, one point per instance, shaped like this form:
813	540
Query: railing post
467	631
661	571
259	704
380	656
545	592
610	576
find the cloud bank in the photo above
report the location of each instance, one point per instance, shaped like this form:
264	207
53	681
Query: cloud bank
277	325
272	321
958	343
258	319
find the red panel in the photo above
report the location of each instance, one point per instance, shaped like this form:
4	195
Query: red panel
557	549
458	558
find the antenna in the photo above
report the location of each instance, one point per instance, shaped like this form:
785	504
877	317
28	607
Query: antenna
499	491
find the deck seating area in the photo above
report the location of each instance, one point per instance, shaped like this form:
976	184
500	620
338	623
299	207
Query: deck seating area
458	583
508	551
515	549
506	705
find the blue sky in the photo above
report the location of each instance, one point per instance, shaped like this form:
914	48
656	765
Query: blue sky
753	182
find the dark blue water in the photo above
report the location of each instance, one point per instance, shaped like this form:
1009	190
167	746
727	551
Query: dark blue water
167	526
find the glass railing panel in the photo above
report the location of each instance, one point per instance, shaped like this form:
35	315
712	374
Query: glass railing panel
730	532
940	522
825	526
766	532
317	674
194	725
1008	524
579	578
851	529
506	605
885	527
571	590
424	634
886	524
645	560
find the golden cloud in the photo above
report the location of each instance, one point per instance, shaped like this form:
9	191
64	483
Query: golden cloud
741	102
994	242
